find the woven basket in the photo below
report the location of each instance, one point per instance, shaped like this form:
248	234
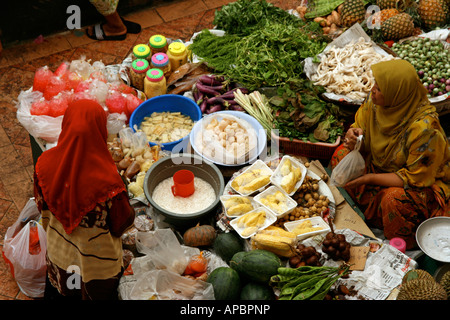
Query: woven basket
317	150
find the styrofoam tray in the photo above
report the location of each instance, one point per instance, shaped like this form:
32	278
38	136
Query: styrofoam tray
315	222
291	203
226	197
277	177
259	164
270	219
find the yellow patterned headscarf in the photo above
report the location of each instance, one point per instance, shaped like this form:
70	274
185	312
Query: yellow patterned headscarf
406	100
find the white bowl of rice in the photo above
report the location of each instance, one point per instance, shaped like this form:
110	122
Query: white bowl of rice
183	212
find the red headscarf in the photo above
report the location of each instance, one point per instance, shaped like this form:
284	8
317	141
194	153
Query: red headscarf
79	172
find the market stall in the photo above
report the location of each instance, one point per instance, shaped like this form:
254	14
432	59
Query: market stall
251	112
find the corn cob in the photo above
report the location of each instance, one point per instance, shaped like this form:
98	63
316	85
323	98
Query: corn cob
280	246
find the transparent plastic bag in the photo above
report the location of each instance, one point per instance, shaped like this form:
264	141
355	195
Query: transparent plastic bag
44	127
26	253
164	249
167	285
349	168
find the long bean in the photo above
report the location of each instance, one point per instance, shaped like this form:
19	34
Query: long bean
311	291
306	282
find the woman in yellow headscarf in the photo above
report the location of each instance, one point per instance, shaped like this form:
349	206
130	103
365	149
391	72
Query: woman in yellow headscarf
407	177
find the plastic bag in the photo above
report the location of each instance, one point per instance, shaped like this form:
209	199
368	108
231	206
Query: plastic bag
44	127
29	212
349	168
26	253
164	248
167	285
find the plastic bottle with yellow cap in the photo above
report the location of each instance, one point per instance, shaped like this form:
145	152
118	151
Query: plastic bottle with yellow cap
177	54
161	61
154	83
142	51
158	43
138	72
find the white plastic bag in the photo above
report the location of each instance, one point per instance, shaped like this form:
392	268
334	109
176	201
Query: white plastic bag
349	168
29	268
44	127
29	212
164	248
167	285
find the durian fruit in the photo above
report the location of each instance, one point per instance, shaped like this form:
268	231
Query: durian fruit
421	289
445	283
416	274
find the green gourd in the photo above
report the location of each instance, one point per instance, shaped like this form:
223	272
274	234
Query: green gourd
226	283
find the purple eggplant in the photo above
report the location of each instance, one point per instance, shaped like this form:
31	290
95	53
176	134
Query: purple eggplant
209	90
217	100
211	80
214	108
203	106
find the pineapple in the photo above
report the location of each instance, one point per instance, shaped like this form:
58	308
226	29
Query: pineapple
390	4
383	15
398	27
432	12
353	12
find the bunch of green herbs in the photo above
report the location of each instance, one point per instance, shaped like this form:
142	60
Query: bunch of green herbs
263	45
301	114
270	56
244	17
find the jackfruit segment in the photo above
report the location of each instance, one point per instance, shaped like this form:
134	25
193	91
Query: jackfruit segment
286	167
275	201
231	202
305	227
253	219
239	209
251	181
289	180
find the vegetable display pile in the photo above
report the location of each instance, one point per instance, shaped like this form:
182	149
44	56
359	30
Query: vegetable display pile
431	60
302	115
268	53
213	93
346	70
306	282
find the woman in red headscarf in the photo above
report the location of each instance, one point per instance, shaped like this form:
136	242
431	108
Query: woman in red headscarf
84	205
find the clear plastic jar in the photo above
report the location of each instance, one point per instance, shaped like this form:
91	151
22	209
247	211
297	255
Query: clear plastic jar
161	61
154	83
138	72
177	54
158	43
142	51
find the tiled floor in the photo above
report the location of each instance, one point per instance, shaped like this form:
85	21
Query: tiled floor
176	20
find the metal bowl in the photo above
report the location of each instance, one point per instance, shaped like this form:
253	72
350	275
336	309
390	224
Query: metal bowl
166	167
433	238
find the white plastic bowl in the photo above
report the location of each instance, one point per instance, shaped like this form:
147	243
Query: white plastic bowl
260	133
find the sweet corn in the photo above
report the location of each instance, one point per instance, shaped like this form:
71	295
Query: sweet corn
281	246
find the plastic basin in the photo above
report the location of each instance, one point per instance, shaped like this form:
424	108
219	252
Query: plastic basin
167	103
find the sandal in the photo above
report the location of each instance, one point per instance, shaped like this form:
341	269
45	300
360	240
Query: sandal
99	34
132	27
